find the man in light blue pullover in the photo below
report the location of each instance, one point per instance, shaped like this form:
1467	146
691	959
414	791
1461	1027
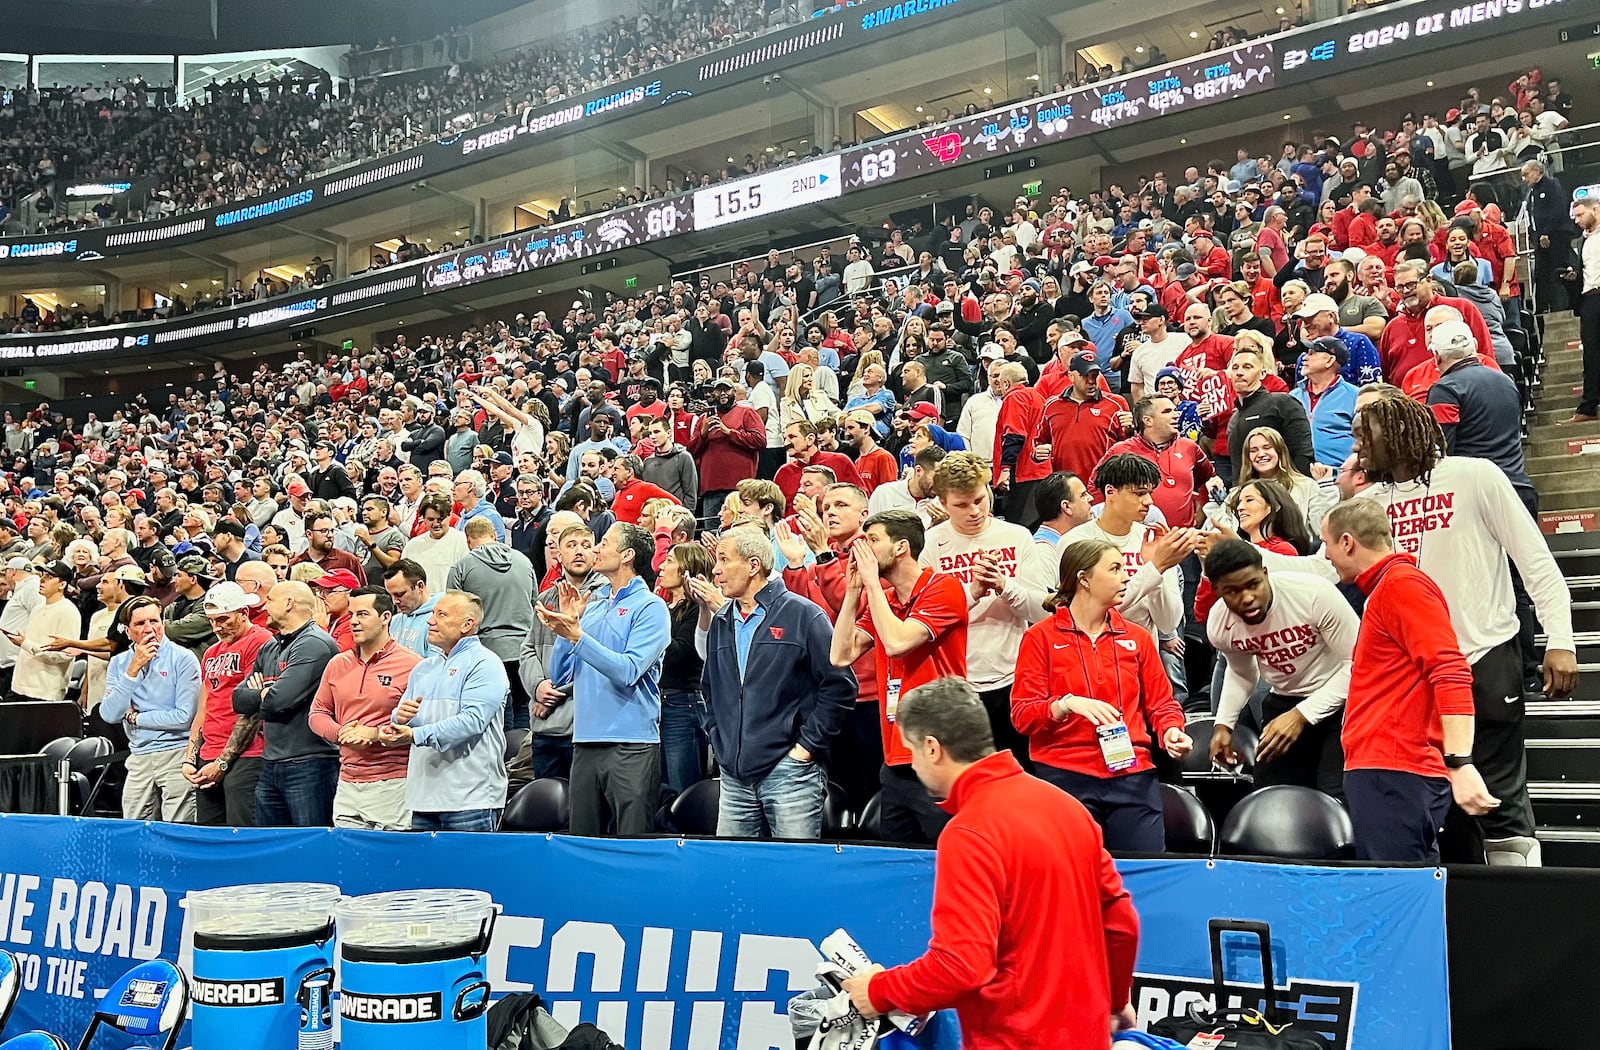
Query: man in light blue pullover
608	648
452	716
153	688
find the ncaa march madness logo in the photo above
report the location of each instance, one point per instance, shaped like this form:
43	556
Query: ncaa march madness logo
1325	1007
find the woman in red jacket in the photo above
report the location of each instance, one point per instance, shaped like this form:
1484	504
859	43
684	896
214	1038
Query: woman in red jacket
1091	695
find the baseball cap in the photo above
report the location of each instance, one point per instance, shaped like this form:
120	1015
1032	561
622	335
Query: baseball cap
1329	344
1466	207
298	487
1073	339
923	410
1185	271
336	579
1153	310
59	569
1079	267
1452	335
945	307
991	352
228	597
131	575
1102	261
230	527
1083	363
721	383
1452	116
755	368
1315	304
195	565
503	458
20	563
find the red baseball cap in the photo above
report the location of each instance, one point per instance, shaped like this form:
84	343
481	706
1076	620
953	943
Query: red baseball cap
330	581
923	410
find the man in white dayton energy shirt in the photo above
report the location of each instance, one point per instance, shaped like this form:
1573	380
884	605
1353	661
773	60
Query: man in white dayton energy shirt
1006	576
1298	633
1459	518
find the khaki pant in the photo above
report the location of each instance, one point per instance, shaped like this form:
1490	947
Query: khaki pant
155	788
378	805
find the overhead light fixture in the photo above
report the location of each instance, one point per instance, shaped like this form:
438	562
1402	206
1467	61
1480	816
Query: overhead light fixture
988	90
1183	142
1288	116
1139	50
1280	10
1193	35
1430	83
183	284
1033	76
919	109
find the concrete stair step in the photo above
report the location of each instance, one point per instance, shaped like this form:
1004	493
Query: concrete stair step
1554	441
1585	498
1549	413
1581	482
1561	462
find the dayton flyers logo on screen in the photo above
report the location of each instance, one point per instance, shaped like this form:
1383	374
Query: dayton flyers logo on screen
946	147
1325	1007
615	232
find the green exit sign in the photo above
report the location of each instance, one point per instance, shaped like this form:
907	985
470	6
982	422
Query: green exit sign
1033	188
1594	60
630	282
30	383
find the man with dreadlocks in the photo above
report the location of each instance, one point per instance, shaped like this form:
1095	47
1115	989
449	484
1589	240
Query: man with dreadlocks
1460	518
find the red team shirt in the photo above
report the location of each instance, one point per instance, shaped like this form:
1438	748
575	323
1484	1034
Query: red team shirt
222	669
938	602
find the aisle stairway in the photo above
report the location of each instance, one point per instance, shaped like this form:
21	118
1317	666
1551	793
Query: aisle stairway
1564	735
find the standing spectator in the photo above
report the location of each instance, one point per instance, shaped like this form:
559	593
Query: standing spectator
776	702
1006	578
22	598
1092	716
981	413
1084	422
1009	986
154	687
727	448
380	539
550	742
801	436
359	692
320	529
608	648
1550	215
914	622
670	467
438	548
502	580
334	588
1327	398
1020	461
633	492
685	720
1186	473
1478	408
1296	632
469	492
300	771
426	443
451	715
184	619
1127	482
41	672
329	480
407	583
1408	724
225	748
1259	407
1586	212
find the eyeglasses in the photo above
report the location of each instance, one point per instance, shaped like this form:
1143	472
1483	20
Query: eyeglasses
1405	287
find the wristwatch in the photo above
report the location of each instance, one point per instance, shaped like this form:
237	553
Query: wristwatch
222	765
826	556
1457	761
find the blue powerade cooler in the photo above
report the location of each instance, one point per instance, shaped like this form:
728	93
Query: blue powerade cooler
263	966
411	970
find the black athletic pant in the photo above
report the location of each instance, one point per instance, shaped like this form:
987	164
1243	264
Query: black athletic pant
906	812
1315	761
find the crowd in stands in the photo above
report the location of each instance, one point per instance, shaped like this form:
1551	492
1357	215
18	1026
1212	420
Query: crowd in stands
1156	426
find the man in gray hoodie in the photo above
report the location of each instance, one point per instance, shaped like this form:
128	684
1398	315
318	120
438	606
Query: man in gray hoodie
502	578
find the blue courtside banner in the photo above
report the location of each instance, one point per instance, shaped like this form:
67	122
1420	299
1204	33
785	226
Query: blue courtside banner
671	945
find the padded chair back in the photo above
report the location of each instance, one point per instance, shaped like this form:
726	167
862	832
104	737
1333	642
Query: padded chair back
694	811
514	739
58	749
76	674
85	753
149	1000
1197	763
543	805
1290	822
836	816
1190	828
867	822
29	725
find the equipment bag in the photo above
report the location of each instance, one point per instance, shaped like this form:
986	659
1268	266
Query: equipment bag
1252	1029
520	1022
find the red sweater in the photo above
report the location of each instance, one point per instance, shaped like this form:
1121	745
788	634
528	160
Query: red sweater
727	458
1034	935
632	497
788	476
1121	667
824	584
1021	411
1184	473
1404	342
1405	674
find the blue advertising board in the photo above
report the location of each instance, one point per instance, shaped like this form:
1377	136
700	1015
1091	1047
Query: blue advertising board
698	945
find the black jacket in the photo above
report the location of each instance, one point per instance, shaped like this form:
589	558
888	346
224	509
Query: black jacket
1282	413
425	445
291	666
331	483
1480	412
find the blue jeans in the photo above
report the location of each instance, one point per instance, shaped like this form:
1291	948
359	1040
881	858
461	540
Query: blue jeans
297	793
457	820
552	757
685	720
785	804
